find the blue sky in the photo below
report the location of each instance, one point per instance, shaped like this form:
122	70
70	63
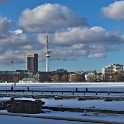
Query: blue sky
83	34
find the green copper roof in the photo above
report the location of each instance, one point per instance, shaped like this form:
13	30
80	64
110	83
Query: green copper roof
29	79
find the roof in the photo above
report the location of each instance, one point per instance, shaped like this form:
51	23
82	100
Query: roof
29	79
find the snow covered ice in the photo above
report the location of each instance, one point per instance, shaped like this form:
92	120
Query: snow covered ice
71	102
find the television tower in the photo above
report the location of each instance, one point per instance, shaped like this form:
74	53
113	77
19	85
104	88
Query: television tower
47	53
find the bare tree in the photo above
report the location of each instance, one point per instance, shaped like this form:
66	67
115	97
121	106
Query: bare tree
117	77
56	78
75	78
64	78
90	78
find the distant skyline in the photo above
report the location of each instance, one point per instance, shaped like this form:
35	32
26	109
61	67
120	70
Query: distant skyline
83	34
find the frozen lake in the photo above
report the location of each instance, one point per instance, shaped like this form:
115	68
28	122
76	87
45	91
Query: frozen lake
106	86
72	103
4	119
92	86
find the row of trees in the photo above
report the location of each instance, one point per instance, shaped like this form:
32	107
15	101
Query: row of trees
61	77
54	77
117	77
12	77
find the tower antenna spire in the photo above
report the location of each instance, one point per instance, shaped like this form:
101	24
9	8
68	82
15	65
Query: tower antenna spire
47	53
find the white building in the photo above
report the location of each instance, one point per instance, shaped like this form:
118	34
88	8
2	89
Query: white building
111	69
91	74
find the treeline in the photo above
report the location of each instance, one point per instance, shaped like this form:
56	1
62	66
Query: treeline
62	77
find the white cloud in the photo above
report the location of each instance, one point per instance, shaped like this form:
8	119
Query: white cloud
12	44
93	35
71	43
68	38
12	41
66	53
18	31
97	55
5	25
54	17
114	10
91	42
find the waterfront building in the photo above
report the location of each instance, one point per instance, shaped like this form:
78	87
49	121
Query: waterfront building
99	77
32	62
112	69
91	76
78	76
28	80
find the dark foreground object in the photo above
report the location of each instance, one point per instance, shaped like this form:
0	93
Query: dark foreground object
22	106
